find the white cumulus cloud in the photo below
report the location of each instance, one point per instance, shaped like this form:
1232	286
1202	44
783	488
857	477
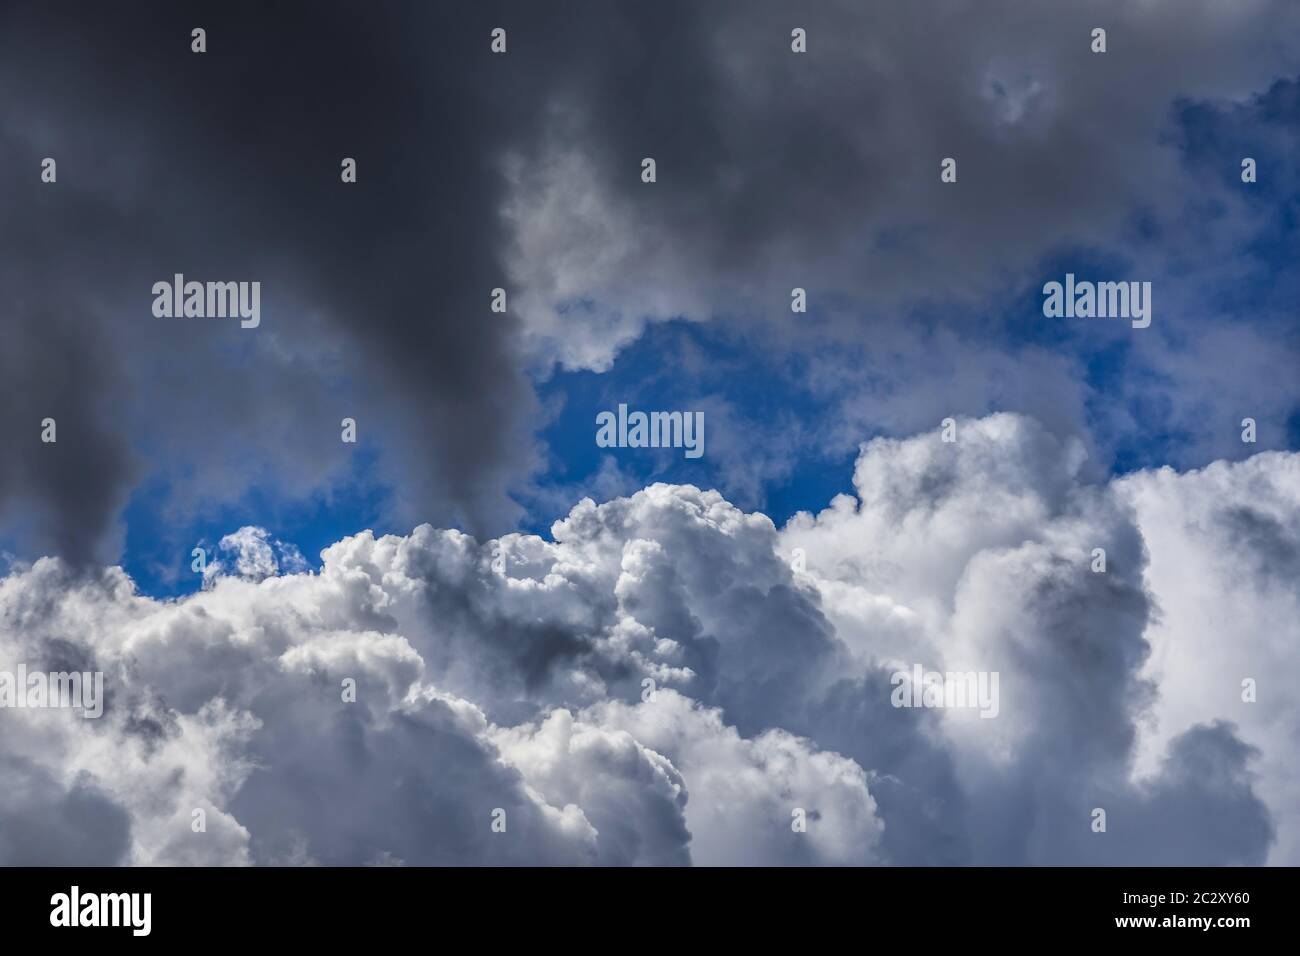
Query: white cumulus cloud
656	684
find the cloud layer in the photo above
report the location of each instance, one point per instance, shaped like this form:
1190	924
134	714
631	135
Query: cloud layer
664	682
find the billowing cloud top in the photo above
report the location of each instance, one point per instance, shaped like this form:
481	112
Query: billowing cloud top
671	680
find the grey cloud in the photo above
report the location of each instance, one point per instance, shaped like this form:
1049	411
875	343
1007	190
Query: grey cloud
49	824
769	157
821	171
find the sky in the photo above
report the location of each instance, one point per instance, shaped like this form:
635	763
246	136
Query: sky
499	586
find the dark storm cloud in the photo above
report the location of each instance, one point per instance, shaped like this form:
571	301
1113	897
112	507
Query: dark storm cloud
773	164
521	171
225	166
64	493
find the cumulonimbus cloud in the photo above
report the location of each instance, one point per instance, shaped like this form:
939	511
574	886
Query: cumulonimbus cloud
663	682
